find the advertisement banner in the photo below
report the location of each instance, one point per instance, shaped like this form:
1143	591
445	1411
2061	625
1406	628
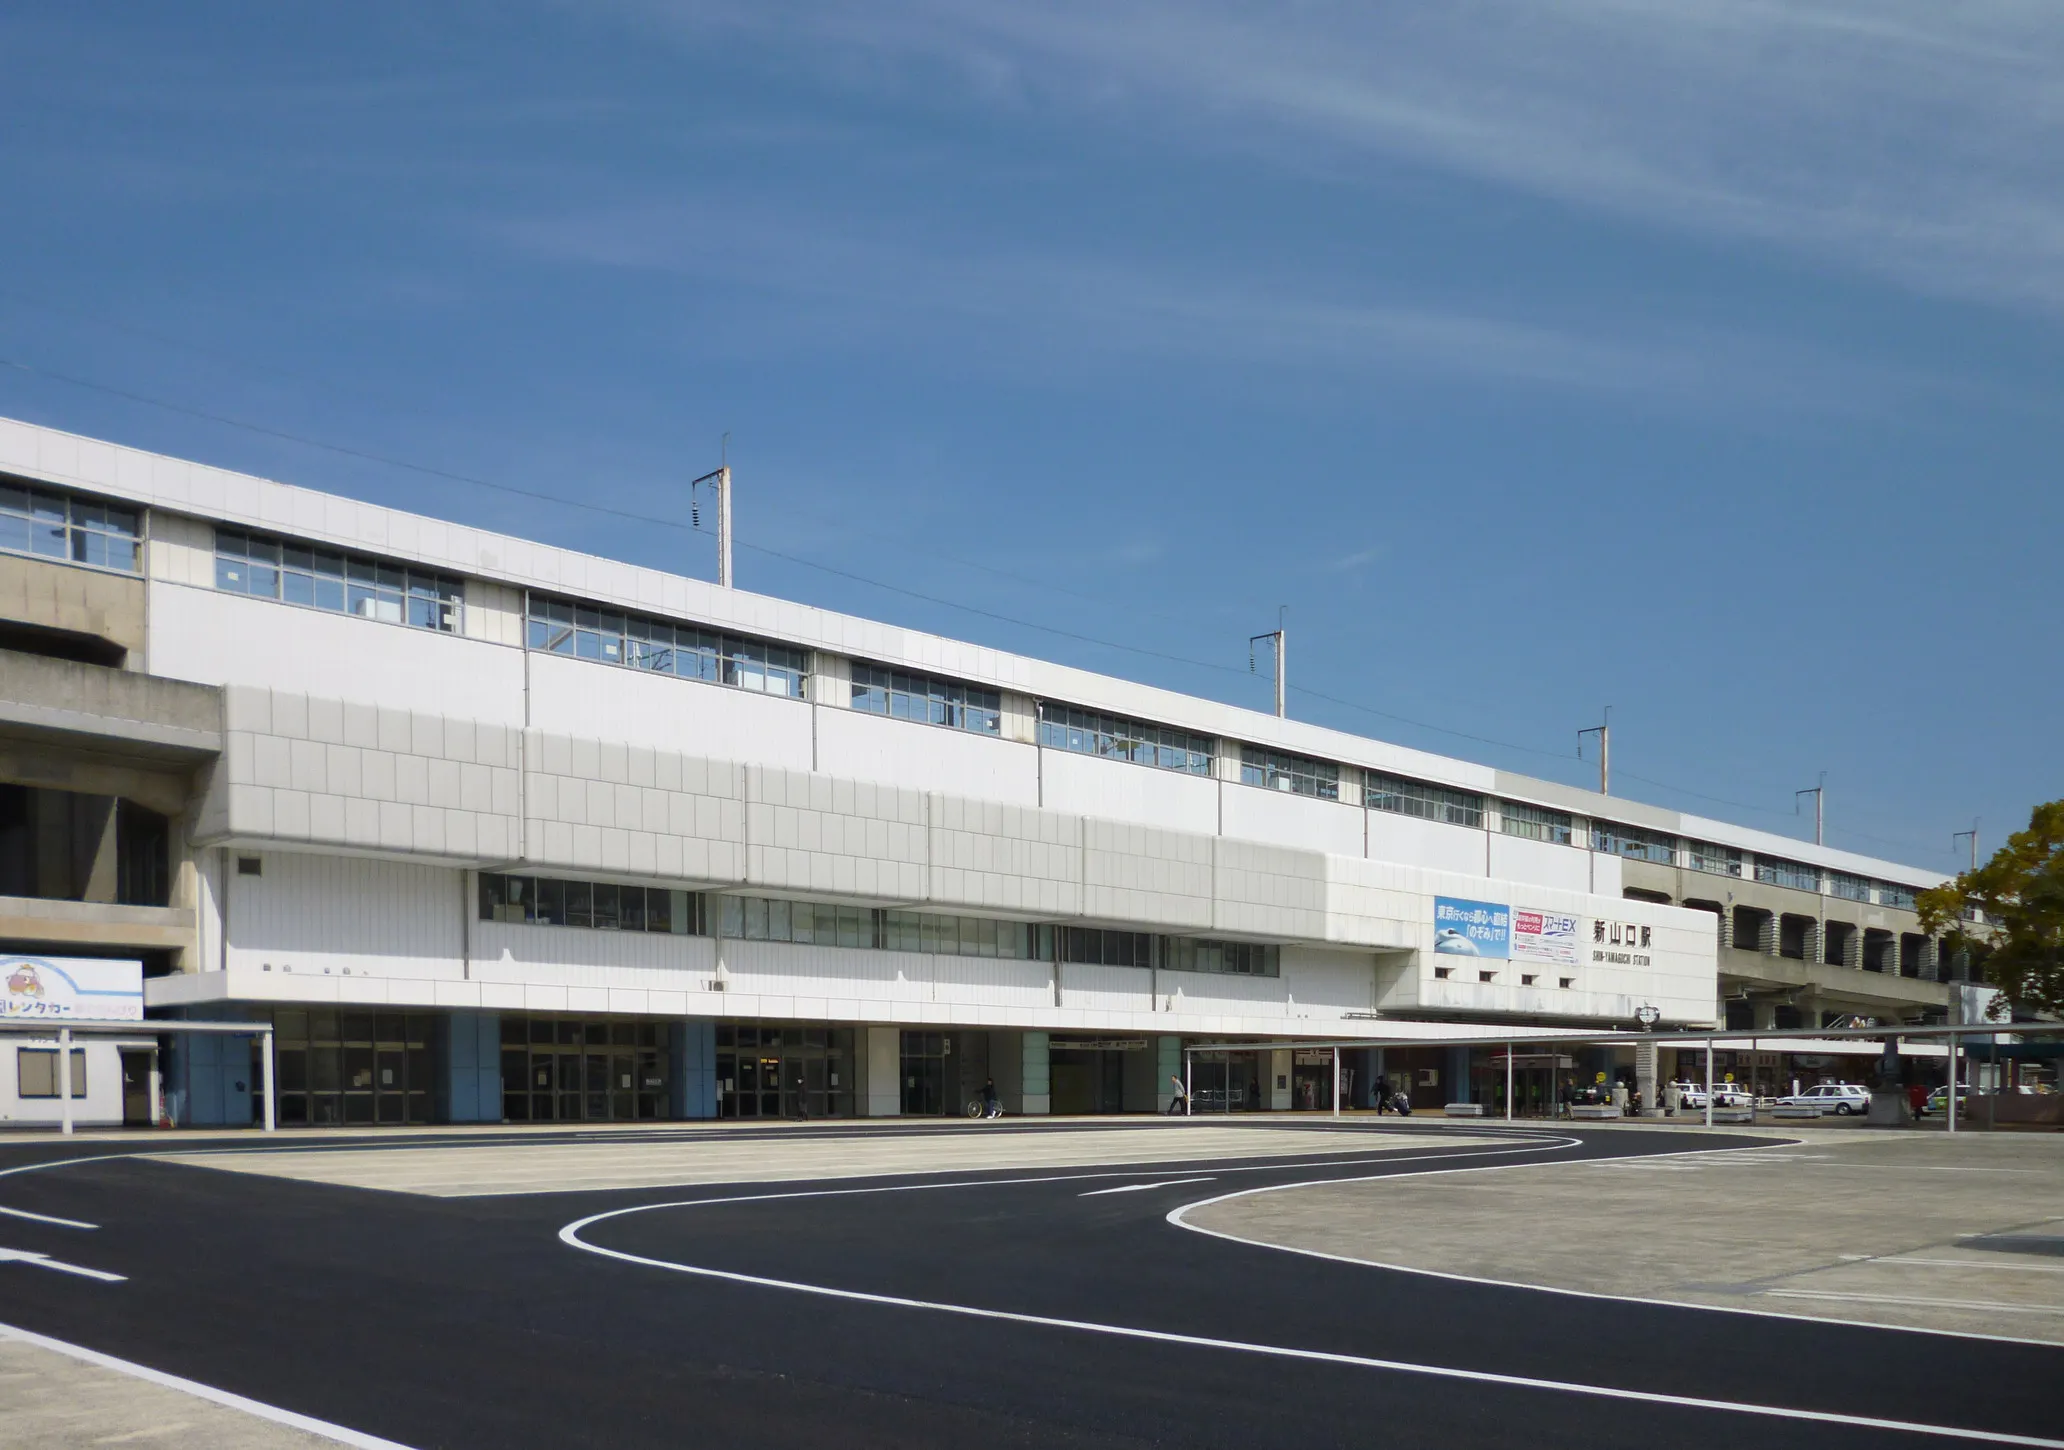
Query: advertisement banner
1544	936
1471	928
50	989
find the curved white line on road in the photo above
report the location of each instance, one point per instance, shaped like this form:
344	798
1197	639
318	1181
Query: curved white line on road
570	1235
1176	1217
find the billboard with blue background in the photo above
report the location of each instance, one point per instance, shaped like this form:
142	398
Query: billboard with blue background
1464	928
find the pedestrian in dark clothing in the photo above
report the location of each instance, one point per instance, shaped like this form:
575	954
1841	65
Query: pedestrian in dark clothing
1382	1094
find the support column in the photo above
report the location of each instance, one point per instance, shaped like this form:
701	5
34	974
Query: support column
1645	1054
64	1077
883	1047
694	1054
471	1084
1168	1066
1038	1074
1456	1088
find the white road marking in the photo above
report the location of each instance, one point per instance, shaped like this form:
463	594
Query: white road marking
570	1235
339	1433
1984	1266
1175	1216
1987	1305
1142	1187
45	1218
44	1261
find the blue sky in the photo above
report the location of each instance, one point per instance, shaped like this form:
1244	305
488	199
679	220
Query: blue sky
1702	362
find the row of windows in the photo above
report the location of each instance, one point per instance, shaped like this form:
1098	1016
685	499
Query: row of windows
1719	860
53	523
922	698
1632	842
598	905
60	526
1535	823
559	626
346	583
1091	946
1427	802
1297	774
1085	732
1773	872
606	906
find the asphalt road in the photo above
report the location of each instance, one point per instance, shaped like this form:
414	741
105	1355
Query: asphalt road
1020	1308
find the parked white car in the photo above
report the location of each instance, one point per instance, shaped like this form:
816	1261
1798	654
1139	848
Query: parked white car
1839	1098
1691	1096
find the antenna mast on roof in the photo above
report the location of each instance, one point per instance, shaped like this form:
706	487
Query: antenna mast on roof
1279	637
720	484
1604	734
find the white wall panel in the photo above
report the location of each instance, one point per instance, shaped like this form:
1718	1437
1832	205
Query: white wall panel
1329	982
226	639
609	702
1607	876
1283	819
346	914
860	746
1114	790
1432	844
1539	863
1108	989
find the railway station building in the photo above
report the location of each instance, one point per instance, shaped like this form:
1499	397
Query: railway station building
491	830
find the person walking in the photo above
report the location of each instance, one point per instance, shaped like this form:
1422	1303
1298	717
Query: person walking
1382	1094
1179	1106
991	1108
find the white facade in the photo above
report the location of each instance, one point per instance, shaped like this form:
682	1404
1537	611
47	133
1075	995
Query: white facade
372	772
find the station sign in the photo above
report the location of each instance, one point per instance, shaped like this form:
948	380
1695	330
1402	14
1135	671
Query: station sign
52	989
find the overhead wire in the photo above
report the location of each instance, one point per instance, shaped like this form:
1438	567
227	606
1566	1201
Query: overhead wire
660	521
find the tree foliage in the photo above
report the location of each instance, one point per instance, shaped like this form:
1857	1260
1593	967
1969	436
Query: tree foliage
2020	891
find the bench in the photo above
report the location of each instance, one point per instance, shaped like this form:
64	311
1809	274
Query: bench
1464	1110
1795	1110
1593	1110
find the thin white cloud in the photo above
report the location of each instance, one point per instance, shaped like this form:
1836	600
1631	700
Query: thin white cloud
880	283
1902	139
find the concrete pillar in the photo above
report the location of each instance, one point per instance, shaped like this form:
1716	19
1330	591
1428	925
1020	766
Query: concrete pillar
693	1048
1279	1080
1724	930
1852	949
1771	936
95	819
882	1048
1037	1059
469	1088
1816	941
1167	1069
1456	1088
1931	959
1645	1054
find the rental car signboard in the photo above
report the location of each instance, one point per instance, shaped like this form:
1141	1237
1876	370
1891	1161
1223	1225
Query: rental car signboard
51	989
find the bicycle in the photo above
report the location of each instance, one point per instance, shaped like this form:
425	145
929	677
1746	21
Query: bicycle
982	1108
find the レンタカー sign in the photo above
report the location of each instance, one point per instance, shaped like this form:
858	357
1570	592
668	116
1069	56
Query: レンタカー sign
1471	928
1544	936
50	989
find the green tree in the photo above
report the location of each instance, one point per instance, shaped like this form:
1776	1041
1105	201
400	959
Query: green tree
2019	935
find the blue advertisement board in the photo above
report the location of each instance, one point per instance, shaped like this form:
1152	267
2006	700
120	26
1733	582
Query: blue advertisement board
1471	928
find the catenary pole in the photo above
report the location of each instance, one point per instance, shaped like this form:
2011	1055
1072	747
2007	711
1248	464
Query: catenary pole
1508	1082
1336	1082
